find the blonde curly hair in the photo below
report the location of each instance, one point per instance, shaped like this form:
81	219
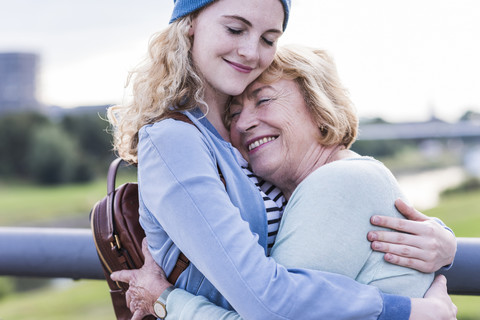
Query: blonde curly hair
165	82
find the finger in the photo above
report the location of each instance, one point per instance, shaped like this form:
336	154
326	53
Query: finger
137	315
398	224
122	276
412	263
438	286
395	238
146	253
409	212
128	299
407	251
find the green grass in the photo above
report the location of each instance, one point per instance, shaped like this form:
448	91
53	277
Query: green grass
79	300
468	307
461	212
27	205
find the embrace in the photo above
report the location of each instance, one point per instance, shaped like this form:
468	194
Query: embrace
286	236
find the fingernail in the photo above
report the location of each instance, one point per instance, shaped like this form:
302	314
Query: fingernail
376	245
388	257
373	236
374	219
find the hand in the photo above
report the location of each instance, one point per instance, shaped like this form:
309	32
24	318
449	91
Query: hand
423	244
145	285
436	304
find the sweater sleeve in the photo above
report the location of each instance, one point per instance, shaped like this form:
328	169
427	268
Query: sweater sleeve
192	206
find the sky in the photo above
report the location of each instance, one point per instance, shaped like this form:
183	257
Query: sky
401	60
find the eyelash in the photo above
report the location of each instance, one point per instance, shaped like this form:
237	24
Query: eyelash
234	31
264	100
268	42
237	32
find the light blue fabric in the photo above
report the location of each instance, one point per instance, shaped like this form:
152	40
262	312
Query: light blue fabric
183	203
326	220
184	7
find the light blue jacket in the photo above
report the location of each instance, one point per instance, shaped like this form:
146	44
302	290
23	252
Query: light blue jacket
184	206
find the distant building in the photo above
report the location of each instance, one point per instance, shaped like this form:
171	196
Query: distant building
18	81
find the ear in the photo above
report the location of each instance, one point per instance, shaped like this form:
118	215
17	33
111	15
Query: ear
191	31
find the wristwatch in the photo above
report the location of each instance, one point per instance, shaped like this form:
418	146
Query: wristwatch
160	306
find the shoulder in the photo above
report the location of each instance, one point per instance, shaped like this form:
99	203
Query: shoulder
348	172
170	134
169	129
349	181
174	143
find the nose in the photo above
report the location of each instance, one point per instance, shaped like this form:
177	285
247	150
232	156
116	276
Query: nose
249	48
247	120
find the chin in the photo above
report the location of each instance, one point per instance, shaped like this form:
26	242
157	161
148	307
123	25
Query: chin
235	90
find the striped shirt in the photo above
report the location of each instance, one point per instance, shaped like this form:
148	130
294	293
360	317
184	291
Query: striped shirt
274	202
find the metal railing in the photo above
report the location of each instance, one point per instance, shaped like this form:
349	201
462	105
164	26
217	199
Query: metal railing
70	253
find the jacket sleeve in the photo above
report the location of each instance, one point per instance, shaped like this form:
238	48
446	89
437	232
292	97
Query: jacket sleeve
192	206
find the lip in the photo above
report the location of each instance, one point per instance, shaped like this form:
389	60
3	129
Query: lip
254	144
239	67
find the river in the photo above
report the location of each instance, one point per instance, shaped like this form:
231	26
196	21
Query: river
423	189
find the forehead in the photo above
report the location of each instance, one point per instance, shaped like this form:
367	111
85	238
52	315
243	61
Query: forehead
257	88
251	11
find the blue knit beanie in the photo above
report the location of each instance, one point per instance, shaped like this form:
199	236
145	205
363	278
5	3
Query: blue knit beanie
184	7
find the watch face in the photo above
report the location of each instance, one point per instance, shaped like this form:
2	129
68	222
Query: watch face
160	310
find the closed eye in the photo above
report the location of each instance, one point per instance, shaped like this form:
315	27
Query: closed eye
268	42
234	114
263	101
234	31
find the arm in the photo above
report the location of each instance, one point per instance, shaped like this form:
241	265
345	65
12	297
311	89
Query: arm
427	246
205	225
150	281
436	305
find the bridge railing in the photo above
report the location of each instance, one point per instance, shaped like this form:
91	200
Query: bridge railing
70	253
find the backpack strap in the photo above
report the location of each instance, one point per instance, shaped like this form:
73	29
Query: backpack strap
111	177
180	266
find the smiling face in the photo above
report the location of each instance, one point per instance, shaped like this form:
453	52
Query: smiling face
275	132
234	41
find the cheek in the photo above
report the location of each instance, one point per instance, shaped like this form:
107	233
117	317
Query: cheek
236	141
234	137
266	57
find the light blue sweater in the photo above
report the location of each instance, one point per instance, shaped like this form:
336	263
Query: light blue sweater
183	205
325	223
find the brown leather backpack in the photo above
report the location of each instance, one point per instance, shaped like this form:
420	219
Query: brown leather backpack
118	237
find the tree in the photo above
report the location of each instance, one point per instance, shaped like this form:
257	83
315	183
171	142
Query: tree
55	157
16	135
90	133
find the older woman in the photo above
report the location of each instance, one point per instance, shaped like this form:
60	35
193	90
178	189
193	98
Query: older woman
295	125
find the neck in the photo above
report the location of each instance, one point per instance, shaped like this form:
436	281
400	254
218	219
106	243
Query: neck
318	157
216	108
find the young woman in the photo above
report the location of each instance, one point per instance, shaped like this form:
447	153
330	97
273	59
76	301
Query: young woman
211	51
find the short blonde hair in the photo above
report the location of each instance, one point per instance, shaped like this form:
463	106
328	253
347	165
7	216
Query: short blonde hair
327	100
167	81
